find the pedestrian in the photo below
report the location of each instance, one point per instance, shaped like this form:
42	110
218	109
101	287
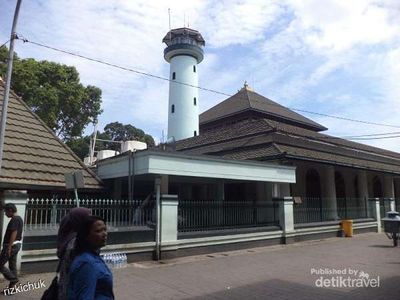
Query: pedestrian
89	276
11	245
66	238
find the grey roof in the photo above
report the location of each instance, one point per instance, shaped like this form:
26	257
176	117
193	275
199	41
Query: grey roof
263	139
248	100
33	156
182	32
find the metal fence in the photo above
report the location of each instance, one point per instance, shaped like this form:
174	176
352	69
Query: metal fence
46	214
216	215
312	210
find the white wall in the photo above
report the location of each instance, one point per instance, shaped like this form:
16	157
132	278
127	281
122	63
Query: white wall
185	119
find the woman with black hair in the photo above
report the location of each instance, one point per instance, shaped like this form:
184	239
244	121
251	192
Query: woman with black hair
89	276
66	239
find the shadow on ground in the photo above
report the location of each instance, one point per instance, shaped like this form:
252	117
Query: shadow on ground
280	289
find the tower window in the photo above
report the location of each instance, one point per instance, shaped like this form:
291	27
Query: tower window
194	69
194	101
173	75
195	133
172	108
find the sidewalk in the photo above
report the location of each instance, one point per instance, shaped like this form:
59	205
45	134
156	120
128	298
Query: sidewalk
275	272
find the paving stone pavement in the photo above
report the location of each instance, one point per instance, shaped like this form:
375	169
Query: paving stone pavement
274	272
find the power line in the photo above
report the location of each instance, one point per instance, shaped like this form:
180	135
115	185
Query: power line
194	86
346	119
4	44
123	68
373	134
374	138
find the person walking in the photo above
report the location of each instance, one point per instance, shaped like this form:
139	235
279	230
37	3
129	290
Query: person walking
89	276
66	239
11	244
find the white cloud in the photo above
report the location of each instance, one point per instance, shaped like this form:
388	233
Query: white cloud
341	25
338	57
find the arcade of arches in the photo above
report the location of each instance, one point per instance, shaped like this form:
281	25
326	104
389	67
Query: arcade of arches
331	183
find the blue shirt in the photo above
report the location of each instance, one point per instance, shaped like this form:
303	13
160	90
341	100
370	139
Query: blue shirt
90	278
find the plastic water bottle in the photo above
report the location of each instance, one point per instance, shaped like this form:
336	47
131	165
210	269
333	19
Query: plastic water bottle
118	260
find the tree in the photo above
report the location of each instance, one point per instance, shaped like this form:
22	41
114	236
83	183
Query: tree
54	92
114	131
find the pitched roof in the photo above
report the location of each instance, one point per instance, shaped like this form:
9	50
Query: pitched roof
248	100
263	139
33	156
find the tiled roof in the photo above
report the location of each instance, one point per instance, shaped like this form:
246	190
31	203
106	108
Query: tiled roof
248	100
33	156
263	139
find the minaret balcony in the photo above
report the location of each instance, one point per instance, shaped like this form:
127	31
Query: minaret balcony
183	49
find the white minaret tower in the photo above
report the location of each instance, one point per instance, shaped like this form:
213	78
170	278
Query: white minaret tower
184	52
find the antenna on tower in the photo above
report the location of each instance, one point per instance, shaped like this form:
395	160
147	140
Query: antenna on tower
169	18
169	21
184	20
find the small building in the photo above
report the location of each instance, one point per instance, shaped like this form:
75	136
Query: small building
34	164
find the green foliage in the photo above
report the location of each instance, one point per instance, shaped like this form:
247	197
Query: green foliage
55	94
114	131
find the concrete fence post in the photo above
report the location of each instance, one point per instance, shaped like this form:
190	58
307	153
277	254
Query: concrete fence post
286	218
169	218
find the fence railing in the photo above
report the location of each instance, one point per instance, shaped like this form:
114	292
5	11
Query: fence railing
313	210
216	215
45	214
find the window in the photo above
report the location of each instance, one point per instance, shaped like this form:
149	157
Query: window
194	69
173	76
194	101
172	108
195	132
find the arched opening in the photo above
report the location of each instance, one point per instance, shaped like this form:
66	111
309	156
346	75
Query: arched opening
340	185
377	187
313	189
356	189
313	184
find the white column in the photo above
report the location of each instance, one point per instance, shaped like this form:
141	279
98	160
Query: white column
377	212
20	199
329	192
169	218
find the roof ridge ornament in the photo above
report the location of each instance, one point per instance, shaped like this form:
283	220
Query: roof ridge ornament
247	87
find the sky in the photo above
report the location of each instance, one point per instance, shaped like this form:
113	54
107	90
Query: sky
333	57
